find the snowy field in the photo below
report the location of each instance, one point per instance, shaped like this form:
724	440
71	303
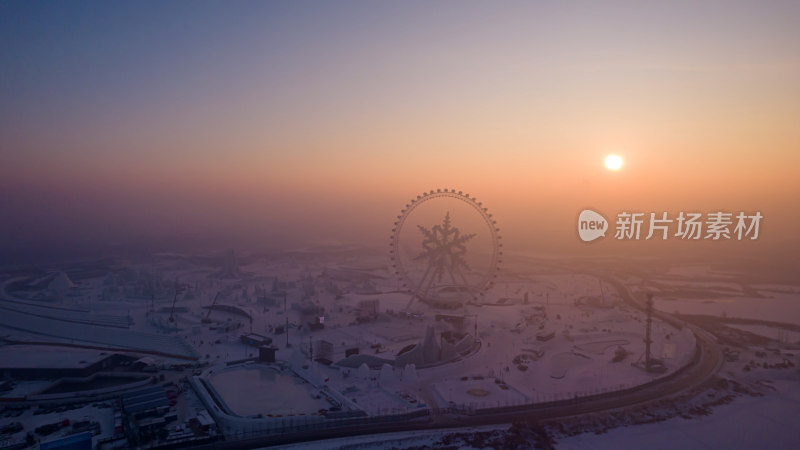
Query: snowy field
774	307
701	289
751	422
543	333
266	391
769	421
778	334
166	301
479	392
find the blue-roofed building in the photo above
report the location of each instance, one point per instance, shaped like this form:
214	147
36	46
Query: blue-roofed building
78	441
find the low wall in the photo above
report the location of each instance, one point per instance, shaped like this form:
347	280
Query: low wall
235	427
143	381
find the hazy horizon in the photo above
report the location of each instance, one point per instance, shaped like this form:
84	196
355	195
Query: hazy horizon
281	126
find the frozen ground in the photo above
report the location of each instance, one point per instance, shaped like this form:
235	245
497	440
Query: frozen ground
781	335
750	422
71	332
702	289
583	316
267	391
777	307
476	392
769	421
547	331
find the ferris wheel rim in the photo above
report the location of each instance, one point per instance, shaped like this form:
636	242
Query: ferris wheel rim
487	280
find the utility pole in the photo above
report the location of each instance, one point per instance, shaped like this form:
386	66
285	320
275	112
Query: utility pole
287	320
602	294
647	340
475	323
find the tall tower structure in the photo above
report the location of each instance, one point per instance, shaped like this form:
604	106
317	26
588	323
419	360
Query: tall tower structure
647	339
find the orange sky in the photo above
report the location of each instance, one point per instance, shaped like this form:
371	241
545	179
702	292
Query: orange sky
280	124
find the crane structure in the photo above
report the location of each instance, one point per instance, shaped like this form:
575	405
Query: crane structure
178	289
207	318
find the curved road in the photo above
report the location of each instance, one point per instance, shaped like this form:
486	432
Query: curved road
703	367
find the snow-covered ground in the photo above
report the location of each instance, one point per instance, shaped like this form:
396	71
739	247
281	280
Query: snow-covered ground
543	333
770	421
778	334
252	390
586	324
777	307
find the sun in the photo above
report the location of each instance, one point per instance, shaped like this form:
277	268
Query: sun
613	162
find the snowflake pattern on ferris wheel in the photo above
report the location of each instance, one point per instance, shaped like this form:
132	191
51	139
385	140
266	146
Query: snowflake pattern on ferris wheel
445	248
443	256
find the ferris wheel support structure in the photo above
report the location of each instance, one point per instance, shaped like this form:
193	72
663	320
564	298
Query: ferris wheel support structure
441	238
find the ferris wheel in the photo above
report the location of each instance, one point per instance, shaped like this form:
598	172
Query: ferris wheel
434	259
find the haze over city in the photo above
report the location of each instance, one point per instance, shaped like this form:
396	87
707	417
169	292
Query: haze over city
353	224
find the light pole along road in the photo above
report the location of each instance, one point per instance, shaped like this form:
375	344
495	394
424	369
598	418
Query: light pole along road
705	364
